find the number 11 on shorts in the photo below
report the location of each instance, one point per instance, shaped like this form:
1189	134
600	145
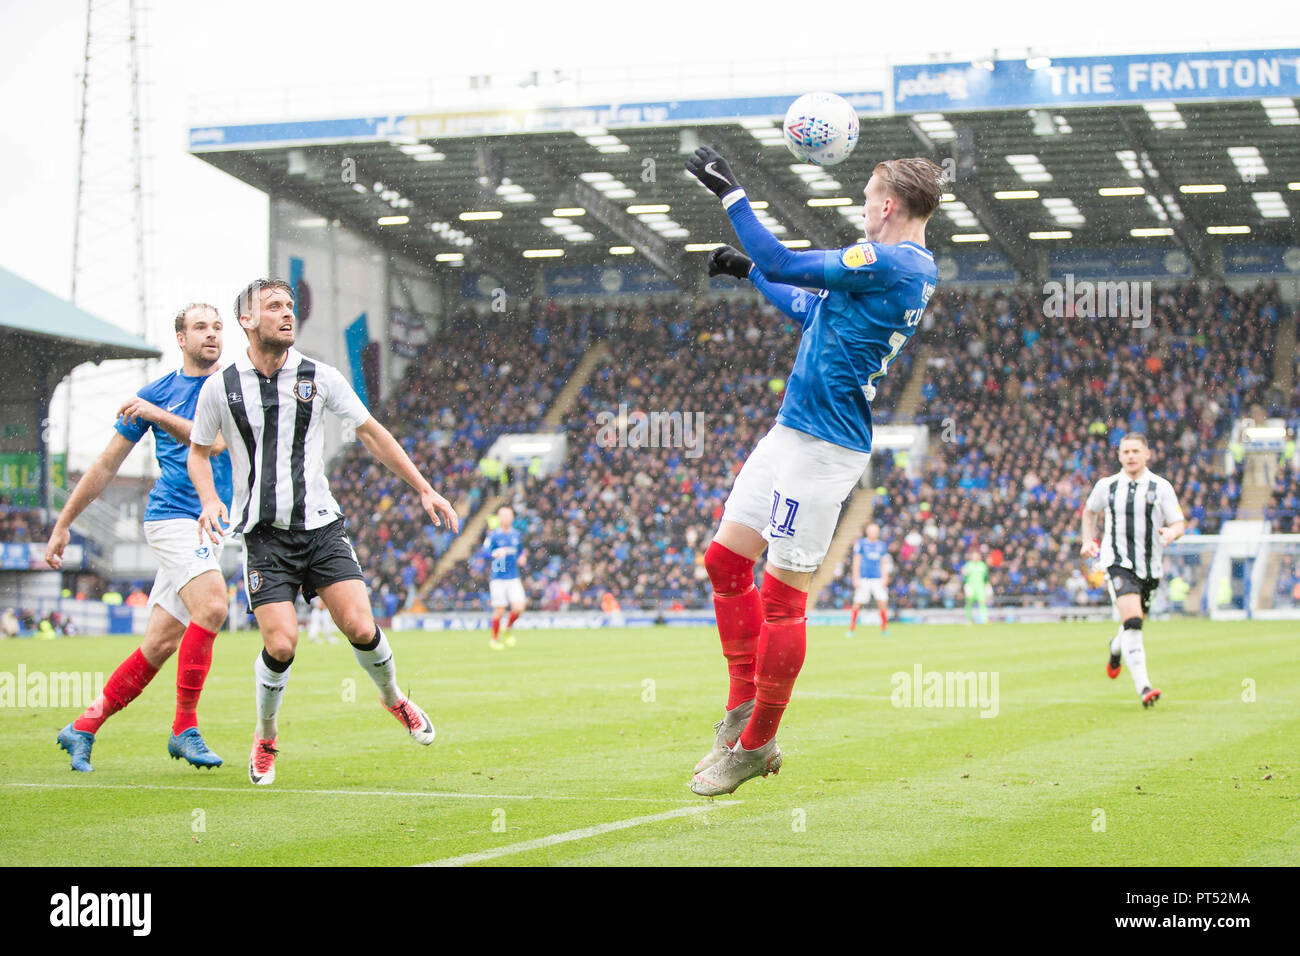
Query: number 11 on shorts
785	529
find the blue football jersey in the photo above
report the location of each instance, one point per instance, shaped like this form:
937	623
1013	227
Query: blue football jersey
173	494
503	547
873	300
871	557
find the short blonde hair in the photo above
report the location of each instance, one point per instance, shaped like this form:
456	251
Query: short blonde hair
917	182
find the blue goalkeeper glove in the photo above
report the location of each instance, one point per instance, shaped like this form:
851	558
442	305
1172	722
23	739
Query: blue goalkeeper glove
712	170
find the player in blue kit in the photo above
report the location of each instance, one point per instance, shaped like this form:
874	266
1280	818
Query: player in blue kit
504	545
871	563
188	600
866	301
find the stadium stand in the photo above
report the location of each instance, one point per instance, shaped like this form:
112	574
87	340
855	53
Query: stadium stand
484	375
1034	410
18	524
1026	412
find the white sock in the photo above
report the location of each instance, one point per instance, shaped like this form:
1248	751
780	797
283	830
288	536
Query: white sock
1136	659
1115	642
378	663
270	692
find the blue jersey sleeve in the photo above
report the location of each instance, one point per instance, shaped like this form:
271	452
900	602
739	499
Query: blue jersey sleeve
858	268
773	259
792	300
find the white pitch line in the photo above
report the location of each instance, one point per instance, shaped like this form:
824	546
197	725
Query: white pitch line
435	794
571	835
1046	701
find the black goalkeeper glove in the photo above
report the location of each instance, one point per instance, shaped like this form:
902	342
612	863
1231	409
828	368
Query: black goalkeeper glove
712	170
727	261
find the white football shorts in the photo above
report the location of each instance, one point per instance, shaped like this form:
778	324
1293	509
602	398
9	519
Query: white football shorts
175	543
790	491
870	589
506	591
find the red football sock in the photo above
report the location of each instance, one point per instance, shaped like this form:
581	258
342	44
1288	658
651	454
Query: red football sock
514	616
782	644
192	666
124	686
496	628
884	619
853	624
739	611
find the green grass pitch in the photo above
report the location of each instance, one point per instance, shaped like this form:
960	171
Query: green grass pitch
576	747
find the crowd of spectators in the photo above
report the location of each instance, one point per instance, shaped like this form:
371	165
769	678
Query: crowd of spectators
1025	410
26	622
24	525
1028	412
1285	510
486	373
635	520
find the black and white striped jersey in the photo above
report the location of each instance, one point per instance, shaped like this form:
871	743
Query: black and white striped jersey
277	445
1135	509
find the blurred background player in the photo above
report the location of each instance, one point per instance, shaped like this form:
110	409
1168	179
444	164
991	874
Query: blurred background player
870	298
871	564
504	545
319	626
270	404
975	587
188	600
1139	515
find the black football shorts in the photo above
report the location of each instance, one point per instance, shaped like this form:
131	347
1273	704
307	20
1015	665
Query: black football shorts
1124	581
279	563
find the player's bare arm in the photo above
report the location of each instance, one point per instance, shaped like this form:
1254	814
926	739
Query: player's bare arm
179	428
90	487
1091	532
1172	532
199	465
857	569
380	442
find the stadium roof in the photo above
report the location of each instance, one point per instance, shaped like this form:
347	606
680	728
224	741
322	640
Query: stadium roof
1189	176
29	309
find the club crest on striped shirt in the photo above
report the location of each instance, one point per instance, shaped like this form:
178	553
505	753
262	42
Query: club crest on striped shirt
1151	495
305	389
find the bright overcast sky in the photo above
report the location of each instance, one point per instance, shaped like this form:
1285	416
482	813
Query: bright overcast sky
208	233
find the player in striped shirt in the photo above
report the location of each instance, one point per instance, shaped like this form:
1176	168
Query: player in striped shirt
269	405
871	564
1139	515
865	303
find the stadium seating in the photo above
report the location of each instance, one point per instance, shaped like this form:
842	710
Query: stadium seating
1026	412
1033	410
485	374
23	525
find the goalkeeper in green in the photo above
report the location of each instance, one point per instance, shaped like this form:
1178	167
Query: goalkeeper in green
975	585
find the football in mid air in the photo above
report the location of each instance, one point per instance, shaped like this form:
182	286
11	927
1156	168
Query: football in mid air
821	128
